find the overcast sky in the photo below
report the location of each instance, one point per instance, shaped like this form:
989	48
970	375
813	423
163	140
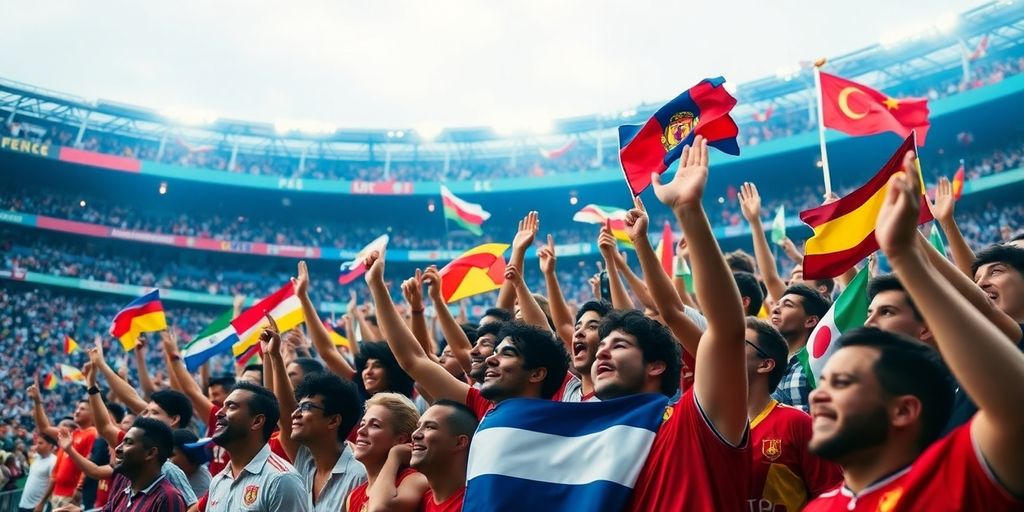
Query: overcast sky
404	63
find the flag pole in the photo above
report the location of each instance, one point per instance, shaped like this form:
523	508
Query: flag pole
821	129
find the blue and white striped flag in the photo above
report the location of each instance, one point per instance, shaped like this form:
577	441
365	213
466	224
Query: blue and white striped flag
535	455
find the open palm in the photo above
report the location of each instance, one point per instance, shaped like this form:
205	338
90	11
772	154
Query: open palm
527	231
944	200
750	202
687	186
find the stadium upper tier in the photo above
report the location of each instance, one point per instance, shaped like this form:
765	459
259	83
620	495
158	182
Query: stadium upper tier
960	67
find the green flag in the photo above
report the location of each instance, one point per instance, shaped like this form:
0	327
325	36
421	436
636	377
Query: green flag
935	238
779	226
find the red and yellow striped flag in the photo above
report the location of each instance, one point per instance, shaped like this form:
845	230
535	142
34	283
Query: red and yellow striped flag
844	231
70	345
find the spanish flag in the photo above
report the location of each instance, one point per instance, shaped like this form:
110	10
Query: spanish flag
478	270
144	314
70	346
844	231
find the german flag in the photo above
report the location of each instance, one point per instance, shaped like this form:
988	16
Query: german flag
144	314
844	231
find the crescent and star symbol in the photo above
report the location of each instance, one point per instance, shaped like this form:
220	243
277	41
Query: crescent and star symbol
844	103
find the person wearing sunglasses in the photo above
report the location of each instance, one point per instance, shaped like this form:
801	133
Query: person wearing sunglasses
784	471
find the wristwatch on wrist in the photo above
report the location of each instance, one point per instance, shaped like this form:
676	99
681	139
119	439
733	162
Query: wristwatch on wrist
94	390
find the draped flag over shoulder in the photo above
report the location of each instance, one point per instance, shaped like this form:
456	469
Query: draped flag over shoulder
857	109
478	270
470	216
844	231
283	306
144	314
217	338
614	218
530	454
351	270
848	312
654	146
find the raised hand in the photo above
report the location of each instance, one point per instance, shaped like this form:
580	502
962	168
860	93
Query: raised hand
595	285
352	300
942	209
687	186
301	281
750	202
606	242
169	342
95	355
89	371
527	231
512	274
33	390
64	438
636	220
546	256
896	226
270	338
375	267
433	278
412	290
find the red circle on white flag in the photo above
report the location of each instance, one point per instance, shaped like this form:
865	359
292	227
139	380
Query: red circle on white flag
821	341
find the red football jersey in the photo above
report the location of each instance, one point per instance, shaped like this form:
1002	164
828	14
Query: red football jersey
477	403
452	504
357	499
949	476
690	467
785	474
219	457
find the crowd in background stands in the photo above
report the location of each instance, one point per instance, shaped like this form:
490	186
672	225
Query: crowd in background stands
529	161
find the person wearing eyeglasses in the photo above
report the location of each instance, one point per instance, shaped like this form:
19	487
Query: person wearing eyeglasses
325	409
784	472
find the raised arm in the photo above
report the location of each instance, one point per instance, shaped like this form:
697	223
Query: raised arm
529	308
87	466
606	244
412	290
188	386
119	387
411	357
669	305
720	381
43	424
522	241
270	338
790	249
561	313
750	205
942	210
334	361
145	381
988	365
100	417
635	283
453	333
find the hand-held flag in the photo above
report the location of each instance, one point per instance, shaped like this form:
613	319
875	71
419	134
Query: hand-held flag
144	314
856	109
478	270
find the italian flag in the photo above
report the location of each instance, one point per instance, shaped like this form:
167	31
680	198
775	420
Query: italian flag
468	215
848	312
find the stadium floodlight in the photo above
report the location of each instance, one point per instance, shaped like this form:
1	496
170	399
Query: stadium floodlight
428	131
286	126
189	116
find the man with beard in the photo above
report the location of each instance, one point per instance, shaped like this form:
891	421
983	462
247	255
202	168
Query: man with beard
884	398
795	315
139	484
440	450
527	363
584	348
256	479
325	410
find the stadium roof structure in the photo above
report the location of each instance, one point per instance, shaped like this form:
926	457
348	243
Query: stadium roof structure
931	48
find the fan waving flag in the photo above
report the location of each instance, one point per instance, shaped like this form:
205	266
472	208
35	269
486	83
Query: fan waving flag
351	270
217	338
468	215
779	226
478	270
70	345
283	306
530	454
652	147
614	218
51	381
844	231
144	314
856	109
848	312
71	374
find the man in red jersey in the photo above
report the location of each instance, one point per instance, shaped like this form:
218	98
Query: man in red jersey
884	399
440	450
785	474
701	451
65	473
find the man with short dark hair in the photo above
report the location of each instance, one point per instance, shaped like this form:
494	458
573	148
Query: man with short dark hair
750	292
795	315
300	367
139	483
256	479
584	350
891	309
784	472
440	450
999	271
32	497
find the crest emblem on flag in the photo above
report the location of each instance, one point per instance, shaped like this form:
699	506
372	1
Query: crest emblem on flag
251	492
679	126
771	448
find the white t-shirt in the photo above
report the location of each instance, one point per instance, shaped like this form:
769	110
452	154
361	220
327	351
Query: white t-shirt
38	481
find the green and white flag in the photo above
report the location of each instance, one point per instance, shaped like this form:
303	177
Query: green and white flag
935	238
217	338
848	312
779	226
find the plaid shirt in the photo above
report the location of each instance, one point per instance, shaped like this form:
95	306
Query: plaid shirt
794	388
160	496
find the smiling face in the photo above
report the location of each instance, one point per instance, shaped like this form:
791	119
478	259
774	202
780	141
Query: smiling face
585	341
375	377
375	436
620	370
433	442
848	407
311	423
505	376
1004	286
131	454
234	420
483	349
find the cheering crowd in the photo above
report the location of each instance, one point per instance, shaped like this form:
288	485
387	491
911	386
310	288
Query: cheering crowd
919	409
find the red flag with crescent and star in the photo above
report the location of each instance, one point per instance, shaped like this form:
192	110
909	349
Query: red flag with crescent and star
856	109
